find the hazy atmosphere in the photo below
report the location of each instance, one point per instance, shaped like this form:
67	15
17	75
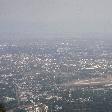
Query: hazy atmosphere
56	16
55	55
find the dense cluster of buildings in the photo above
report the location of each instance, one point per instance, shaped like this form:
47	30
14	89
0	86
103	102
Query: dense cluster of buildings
36	74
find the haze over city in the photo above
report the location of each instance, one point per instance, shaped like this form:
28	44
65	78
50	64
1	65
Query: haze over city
56	16
55	56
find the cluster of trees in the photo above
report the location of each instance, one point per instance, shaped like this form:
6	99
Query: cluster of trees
2	108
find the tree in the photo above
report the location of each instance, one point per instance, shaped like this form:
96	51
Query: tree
2	108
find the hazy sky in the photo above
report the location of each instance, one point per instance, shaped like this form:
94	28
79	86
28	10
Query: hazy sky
67	16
